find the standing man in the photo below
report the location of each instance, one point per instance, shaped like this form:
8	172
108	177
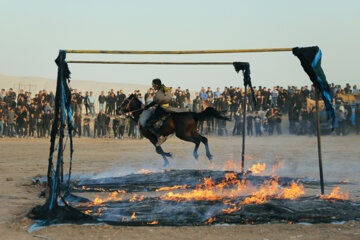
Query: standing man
77	123
91	102
47	122
2	117
357	118
10	122
79	103
101	123
102	99
86	102
86	125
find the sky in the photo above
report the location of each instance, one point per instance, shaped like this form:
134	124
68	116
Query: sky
32	32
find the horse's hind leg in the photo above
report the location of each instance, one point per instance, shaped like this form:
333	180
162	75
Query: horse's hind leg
204	140
194	140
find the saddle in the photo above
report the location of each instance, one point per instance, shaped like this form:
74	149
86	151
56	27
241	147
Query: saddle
175	110
146	114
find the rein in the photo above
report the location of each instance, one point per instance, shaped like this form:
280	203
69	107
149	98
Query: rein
135	110
128	106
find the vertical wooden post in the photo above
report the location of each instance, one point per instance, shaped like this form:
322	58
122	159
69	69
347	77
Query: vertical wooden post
243	130
319	139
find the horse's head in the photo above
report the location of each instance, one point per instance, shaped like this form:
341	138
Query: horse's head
130	104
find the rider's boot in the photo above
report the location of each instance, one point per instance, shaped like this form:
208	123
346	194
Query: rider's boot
160	138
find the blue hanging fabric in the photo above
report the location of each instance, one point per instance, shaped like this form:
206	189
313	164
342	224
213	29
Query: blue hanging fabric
63	114
310	58
245	68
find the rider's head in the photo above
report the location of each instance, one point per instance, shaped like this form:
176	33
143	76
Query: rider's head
156	83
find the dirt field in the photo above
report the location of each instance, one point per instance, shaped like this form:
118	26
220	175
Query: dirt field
21	159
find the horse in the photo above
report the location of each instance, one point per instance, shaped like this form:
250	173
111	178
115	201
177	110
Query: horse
183	124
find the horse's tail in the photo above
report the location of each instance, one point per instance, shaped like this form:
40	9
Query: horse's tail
209	112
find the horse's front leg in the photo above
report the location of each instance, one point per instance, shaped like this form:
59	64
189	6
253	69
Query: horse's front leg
160	151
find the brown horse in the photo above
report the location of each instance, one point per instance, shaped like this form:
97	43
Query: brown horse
183	124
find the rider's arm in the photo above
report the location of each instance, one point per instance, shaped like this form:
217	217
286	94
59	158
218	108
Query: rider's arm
149	105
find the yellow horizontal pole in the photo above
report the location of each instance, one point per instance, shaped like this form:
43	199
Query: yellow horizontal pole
183	52
153	63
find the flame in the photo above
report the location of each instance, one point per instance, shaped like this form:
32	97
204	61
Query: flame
171	188
153	222
275	167
230	176
272	189
232	188
144	171
141	198
99	210
231	166
112	197
210	220
336	194
133	198
257	168
231	210
133	216
247	157
88	211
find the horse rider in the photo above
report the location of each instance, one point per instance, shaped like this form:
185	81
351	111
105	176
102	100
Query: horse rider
161	101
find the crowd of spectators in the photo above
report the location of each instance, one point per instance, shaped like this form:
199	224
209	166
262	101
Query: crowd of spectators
25	115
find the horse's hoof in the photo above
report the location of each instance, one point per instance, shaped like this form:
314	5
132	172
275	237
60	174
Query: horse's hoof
169	155
165	165
196	156
209	157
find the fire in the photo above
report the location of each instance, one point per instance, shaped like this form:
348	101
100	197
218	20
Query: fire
232	188
133	198
133	216
336	194
272	189
231	210
171	188
112	197
141	198
88	211
230	176
153	222
275	167
210	220
257	168
247	157
231	166
144	171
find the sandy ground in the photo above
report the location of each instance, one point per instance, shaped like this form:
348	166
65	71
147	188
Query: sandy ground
21	159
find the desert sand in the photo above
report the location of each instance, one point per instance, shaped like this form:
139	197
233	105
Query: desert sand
22	159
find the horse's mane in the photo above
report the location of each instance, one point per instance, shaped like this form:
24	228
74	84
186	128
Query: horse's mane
135	97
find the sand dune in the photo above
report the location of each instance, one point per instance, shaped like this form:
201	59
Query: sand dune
35	84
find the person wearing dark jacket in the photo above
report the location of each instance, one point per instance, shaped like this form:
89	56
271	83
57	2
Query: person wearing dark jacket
357	118
77	123
102	99
32	125
86	125
107	124
40	125
101	123
116	123
47	122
